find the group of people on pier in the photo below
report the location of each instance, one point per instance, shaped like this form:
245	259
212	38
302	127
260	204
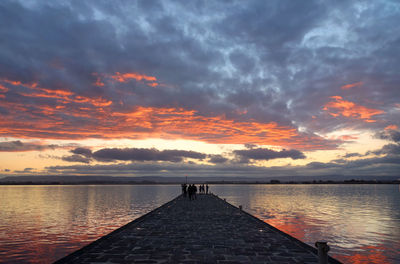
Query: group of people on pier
190	190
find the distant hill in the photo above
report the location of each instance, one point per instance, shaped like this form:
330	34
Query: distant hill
53	179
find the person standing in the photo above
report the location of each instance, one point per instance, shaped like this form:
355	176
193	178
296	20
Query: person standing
194	191
190	191
184	190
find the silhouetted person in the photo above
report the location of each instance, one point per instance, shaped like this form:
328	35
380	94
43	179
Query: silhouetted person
194	191
184	190
207	189
190	191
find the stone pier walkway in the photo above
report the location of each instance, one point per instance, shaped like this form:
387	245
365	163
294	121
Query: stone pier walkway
206	230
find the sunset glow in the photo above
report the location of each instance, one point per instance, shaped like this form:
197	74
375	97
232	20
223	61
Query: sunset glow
290	109
240	95
341	107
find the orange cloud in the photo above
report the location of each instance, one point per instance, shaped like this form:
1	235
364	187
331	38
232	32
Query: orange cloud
12	82
154	84
177	122
3	89
98	81
391	127
124	77
76	116
349	109
99	102
16	83
64	96
148	122
349	86
58	92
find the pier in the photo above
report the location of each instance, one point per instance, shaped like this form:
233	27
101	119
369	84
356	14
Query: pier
205	230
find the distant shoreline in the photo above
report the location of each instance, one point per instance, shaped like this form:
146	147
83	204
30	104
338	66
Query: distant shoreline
272	182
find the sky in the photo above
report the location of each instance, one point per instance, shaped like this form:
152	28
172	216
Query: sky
200	88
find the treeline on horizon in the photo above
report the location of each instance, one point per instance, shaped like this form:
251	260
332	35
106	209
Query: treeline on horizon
148	182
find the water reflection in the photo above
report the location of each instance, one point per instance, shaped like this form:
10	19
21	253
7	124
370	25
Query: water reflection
39	224
359	221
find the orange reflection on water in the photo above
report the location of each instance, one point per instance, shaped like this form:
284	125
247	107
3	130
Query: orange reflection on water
295	229
40	224
300	229
359	222
369	254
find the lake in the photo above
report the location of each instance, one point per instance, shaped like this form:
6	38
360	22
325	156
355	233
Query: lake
40	224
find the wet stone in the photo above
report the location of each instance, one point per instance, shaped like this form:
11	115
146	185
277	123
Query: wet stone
205	230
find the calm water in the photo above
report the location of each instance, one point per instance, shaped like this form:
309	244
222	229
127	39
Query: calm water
360	222
39	224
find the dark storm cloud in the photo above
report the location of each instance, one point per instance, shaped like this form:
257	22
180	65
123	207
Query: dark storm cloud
16	146
141	154
268	154
272	24
265	61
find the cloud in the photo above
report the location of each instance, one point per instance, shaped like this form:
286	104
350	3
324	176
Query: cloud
125	77
144	122
352	85
392	135
379	166
268	154
78	89
86	155
217	159
389	149
321	165
76	158
341	107
256	75
25	171
392	127
142	154
350	155
82	151
17	146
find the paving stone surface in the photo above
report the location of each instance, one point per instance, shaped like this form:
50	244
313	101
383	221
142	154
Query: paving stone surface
205	230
